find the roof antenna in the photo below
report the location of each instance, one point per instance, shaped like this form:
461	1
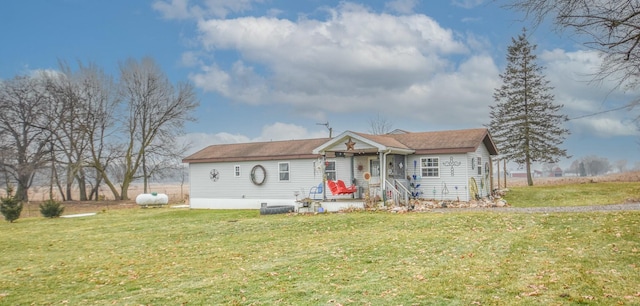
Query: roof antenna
327	125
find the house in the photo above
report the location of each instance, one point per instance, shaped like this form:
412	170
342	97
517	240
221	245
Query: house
441	165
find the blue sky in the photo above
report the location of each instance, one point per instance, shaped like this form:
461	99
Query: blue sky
273	69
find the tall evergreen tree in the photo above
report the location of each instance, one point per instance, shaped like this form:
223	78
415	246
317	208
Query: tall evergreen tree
525	123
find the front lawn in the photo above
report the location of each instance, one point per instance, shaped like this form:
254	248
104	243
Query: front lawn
178	256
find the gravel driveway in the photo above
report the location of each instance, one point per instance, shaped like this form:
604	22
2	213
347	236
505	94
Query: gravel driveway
614	207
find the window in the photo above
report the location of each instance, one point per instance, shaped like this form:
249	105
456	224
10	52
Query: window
284	171
430	167
330	170
236	171
479	163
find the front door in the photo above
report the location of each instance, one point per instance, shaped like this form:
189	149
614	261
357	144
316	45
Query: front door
374	169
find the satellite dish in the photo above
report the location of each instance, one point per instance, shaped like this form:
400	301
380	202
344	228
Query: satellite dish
367	176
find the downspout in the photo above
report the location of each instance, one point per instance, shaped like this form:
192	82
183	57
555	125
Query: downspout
353	175
324	176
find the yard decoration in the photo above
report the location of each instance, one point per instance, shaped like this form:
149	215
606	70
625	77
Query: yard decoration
452	163
258	175
415	187
214	175
473	188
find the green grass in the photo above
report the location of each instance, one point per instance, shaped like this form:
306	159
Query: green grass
573	194
177	256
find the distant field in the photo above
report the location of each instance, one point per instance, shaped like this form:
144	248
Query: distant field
633	176
176	192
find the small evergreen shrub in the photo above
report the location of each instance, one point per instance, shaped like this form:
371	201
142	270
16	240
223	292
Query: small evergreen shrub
51	209
10	207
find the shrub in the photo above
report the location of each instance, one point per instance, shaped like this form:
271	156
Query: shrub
51	209
10	207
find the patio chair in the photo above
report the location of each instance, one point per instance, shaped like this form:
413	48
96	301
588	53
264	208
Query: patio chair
333	187
337	189
315	190
347	190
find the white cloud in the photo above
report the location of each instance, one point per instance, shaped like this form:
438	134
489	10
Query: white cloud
180	9
271	132
190	59
213	78
199	141
175	9
572	76
286	131
467	3
355	60
401	6
606	127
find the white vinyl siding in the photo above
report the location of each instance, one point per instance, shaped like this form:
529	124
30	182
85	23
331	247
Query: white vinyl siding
301	178
481	172
451	185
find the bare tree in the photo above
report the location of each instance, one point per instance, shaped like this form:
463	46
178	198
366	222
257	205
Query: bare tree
621	165
82	120
156	112
69	141
379	125
595	165
610	26
24	136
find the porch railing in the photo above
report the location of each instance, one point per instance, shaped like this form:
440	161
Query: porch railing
399	195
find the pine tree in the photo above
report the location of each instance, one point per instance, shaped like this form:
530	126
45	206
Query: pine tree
525	122
10	206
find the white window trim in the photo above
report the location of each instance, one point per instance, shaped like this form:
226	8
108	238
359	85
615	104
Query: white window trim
334	171
281	172
437	166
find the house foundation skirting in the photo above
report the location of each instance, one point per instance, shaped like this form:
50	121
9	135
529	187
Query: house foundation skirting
328	206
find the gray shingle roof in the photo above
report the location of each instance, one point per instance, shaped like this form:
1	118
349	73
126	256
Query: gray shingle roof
439	142
272	150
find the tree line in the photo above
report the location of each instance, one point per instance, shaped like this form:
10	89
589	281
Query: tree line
82	128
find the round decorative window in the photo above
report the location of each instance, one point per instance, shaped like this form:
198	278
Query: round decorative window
214	175
258	174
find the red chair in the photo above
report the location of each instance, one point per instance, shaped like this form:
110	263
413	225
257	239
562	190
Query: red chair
346	190
339	188
333	187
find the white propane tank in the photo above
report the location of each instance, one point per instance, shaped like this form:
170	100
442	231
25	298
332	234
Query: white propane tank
152	199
